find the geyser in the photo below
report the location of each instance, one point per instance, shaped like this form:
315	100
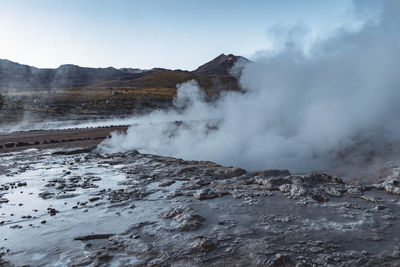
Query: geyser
298	111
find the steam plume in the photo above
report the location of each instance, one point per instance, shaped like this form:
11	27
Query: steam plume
299	111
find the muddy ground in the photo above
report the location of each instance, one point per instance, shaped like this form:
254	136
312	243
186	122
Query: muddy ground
42	139
64	206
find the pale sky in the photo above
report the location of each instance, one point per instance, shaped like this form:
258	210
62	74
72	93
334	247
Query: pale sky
152	33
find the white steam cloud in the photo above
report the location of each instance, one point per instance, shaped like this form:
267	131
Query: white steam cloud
299	111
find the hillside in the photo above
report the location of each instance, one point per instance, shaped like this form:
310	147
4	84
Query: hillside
71	89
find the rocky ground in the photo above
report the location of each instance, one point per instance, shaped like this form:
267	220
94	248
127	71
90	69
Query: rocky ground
77	207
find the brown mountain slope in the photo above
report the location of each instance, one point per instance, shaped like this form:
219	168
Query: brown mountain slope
220	65
170	79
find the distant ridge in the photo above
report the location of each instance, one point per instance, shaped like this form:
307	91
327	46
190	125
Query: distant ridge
15	75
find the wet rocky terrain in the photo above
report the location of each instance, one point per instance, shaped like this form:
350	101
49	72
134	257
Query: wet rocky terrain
79	207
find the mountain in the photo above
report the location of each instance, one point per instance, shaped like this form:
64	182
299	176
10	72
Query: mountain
71	89
220	65
15	75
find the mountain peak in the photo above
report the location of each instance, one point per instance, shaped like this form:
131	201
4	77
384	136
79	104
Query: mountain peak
220	65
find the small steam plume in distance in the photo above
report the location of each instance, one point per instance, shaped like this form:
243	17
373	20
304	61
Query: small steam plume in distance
300	111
